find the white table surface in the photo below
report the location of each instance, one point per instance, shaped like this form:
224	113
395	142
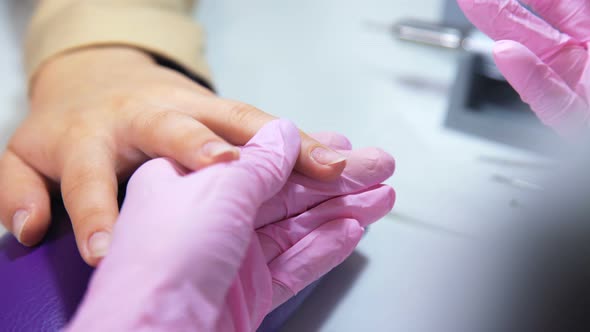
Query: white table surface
317	63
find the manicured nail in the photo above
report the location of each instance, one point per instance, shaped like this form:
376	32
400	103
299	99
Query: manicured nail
326	156
19	220
216	149
99	244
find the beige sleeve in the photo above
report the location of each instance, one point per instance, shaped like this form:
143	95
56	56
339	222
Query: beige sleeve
163	28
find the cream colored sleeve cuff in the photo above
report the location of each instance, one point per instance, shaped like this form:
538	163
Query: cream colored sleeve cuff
165	32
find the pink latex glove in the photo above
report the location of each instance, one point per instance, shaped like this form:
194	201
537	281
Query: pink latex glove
307	203
544	57
199	265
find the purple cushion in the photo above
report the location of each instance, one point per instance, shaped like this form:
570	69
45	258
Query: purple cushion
42	286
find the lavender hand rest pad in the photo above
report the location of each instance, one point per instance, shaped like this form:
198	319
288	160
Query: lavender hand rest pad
43	285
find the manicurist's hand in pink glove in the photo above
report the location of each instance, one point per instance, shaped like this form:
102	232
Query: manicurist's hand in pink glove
186	254
544	55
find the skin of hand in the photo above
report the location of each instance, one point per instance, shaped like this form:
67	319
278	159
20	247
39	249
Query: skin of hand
543	52
97	114
199	264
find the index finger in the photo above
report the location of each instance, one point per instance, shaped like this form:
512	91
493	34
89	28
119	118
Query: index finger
238	122
265	164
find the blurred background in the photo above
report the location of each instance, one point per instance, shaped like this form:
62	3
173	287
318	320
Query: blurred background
410	77
340	66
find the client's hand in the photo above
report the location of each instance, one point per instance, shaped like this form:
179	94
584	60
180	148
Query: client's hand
543	53
96	115
185	254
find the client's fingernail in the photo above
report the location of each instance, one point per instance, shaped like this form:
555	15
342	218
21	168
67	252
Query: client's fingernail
217	149
19	220
326	156
99	244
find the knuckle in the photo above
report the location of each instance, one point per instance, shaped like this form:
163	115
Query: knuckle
150	122
80	132
186	93
81	153
74	185
190	134
169	130
240	112
185	142
124	102
81	182
92	216
77	131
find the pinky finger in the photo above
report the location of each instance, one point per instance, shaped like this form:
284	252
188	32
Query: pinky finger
312	257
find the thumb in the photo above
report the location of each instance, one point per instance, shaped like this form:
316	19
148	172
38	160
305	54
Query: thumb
269	158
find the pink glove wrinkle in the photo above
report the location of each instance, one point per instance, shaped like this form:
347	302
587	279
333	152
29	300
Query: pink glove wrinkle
543	53
185	253
298	257
365	168
206	216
